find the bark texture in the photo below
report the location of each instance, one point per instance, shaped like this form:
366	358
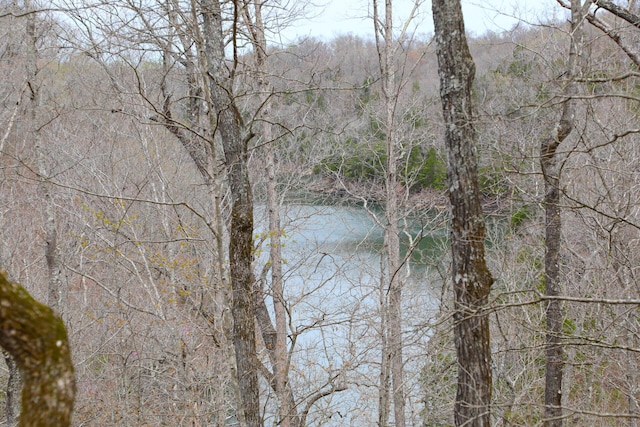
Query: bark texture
14	385
619	35
229	126
472	279
37	340
550	165
619	11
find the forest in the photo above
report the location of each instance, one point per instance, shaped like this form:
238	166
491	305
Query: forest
395	229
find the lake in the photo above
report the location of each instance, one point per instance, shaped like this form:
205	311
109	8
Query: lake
333	290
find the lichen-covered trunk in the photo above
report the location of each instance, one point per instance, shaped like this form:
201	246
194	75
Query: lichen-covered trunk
472	279
12	394
37	340
229	127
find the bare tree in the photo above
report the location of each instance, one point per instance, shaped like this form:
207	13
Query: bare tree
235	147
275	338
392	364
472	279
52	255
550	164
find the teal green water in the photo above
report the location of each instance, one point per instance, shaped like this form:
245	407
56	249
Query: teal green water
351	229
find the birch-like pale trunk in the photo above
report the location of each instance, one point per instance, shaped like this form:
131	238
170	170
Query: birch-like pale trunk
275	339
392	364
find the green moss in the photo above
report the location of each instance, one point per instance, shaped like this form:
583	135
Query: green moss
37	340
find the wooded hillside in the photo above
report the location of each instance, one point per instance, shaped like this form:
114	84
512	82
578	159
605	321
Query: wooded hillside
175	184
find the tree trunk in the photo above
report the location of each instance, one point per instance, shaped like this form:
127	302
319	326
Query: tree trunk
278	351
287	411
216	299
384	401
54	288
549	162
553	351
472	279
241	225
14	384
37	340
391	302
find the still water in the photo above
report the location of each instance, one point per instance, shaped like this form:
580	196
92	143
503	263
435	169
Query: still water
333	288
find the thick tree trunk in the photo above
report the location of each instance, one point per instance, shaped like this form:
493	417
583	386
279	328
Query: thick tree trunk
472	279
37	340
241	223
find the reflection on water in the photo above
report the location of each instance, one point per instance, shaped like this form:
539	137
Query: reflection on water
332	279
351	229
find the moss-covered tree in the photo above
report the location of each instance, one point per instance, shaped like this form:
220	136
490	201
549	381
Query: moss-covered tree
37	340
